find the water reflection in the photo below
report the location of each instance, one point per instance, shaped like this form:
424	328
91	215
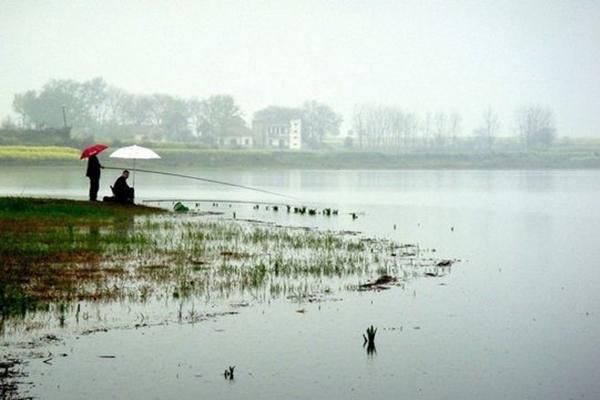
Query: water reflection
369	341
371	349
536	181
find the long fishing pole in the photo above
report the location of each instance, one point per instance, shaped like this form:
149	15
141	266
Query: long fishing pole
206	180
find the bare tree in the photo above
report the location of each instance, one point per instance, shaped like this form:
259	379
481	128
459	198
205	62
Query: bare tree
367	124
116	101
455	126
441	127
536	126
490	124
25	105
136	109
409	129
396	125
426	127
385	127
359	123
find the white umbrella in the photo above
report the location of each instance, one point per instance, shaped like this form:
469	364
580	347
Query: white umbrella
134	152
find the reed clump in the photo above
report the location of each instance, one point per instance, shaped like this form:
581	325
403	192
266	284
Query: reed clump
56	251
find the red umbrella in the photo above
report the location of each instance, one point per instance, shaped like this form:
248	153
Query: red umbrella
93	150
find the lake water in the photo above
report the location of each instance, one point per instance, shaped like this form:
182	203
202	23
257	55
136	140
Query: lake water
518	317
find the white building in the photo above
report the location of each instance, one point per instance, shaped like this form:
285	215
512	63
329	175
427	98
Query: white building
236	137
235	141
295	141
280	134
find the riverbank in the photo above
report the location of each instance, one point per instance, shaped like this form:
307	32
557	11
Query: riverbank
554	158
45	242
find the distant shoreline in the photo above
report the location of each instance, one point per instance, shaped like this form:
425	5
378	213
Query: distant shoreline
340	160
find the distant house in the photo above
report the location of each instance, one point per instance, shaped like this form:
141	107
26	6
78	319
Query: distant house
236	137
278	131
295	141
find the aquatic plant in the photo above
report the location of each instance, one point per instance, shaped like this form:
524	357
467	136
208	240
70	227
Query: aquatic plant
228	374
113	255
369	337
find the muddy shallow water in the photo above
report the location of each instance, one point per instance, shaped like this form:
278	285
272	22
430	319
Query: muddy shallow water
517	318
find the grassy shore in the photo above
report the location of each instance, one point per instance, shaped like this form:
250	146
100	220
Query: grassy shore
43	243
40	210
58	253
37	153
565	157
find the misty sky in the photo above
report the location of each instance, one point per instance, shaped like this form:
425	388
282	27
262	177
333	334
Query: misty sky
420	55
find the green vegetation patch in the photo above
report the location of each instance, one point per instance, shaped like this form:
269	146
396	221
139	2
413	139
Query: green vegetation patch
67	211
52	248
35	153
576	155
64	252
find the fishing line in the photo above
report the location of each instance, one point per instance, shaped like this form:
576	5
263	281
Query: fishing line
205	180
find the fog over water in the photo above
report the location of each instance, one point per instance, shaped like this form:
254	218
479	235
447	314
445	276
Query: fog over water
419	55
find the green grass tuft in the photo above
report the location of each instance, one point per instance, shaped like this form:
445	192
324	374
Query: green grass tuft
12	208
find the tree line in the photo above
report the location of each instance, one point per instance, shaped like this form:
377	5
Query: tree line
380	126
95	108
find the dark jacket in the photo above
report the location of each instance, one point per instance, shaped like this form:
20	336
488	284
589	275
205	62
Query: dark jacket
121	189
93	168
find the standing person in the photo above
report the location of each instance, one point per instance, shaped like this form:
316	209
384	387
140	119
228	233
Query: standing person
93	172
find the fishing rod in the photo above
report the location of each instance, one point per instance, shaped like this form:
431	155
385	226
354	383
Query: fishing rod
206	180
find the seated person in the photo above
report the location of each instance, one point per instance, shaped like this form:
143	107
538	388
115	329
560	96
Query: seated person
121	190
